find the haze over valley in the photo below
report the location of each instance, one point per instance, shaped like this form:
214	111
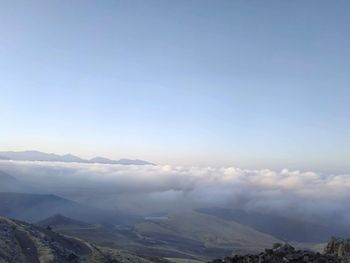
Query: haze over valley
175	211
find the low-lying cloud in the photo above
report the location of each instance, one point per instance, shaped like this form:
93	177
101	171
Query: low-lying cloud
164	187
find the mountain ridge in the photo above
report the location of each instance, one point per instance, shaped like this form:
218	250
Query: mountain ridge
36	207
9	183
69	158
59	219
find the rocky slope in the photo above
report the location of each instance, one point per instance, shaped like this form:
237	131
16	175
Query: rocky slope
339	248
336	251
22	243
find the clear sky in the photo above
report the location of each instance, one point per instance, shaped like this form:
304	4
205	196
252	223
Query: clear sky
244	83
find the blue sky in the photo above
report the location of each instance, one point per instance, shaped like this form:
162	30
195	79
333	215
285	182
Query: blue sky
244	83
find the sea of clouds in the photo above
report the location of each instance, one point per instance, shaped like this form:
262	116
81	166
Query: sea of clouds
143	187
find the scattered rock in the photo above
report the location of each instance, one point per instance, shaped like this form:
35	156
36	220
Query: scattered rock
336	251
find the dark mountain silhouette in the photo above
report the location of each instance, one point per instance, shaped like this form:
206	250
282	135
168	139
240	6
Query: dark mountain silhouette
59	220
9	183
41	156
37	207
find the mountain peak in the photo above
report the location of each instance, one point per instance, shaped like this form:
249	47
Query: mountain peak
99	159
59	219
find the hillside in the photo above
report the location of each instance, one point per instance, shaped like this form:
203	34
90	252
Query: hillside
21	242
286	229
211	234
36	207
8	183
187	235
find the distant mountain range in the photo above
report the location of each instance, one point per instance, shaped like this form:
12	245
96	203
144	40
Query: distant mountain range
51	157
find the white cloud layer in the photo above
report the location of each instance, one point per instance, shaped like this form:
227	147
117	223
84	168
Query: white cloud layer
286	192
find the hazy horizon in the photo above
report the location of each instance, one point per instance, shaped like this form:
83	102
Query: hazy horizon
195	164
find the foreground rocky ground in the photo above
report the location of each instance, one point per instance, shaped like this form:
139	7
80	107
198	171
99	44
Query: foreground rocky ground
336	251
24	243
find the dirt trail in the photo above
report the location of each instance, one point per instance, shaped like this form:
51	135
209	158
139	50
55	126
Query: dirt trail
28	247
